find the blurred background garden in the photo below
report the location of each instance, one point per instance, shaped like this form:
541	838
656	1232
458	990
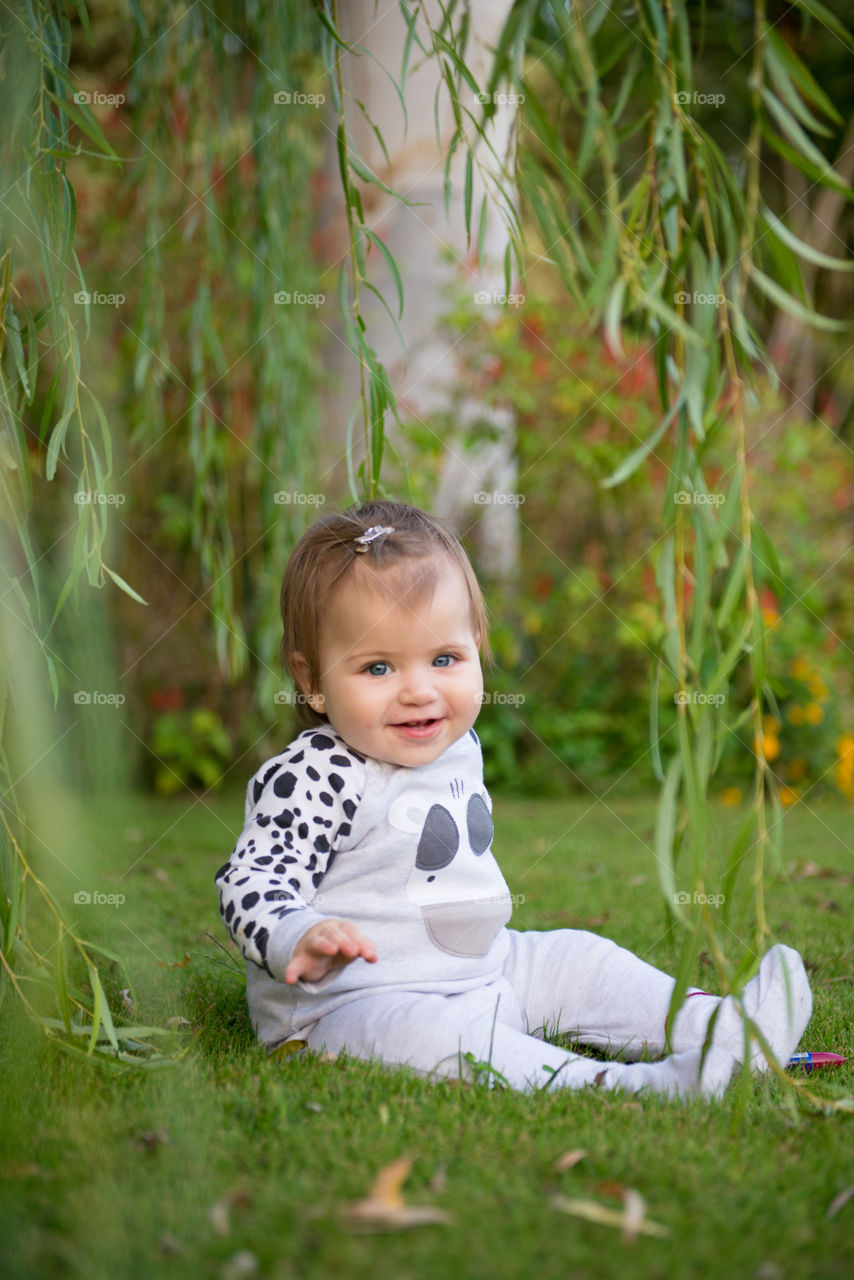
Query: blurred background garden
220	407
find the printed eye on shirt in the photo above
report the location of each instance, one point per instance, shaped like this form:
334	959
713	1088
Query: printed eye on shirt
455	881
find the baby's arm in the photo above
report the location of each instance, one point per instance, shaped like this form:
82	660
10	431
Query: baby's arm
299	806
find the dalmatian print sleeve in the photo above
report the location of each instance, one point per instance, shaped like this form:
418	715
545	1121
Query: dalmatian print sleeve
299	806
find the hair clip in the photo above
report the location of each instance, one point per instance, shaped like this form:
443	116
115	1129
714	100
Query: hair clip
370	535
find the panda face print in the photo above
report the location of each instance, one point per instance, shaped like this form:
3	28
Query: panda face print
455	880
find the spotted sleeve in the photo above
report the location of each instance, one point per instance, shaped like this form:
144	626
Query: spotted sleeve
299	807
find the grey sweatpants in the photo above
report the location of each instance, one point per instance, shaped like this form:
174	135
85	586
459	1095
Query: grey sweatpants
573	982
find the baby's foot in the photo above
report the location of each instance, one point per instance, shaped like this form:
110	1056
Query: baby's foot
679	1076
778	1000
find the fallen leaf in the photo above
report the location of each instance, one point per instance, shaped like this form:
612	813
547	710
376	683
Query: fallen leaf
242	1263
173	1023
838	1201
18	1170
160	874
626	1218
569	1160
634	1215
220	1217
151	1139
169	1244
127	1001
175	964
290	1046
384	1208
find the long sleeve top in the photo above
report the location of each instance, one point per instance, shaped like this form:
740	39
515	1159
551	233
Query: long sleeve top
403	853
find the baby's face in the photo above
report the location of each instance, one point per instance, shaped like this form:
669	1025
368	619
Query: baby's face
401	680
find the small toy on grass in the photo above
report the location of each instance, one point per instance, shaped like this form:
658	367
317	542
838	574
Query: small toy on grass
810	1061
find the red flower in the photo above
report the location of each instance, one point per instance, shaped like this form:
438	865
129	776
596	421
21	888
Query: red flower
171	699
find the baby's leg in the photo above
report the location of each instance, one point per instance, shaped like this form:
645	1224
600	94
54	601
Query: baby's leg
433	1034
608	997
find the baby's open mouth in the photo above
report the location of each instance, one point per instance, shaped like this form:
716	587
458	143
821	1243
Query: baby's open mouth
416	724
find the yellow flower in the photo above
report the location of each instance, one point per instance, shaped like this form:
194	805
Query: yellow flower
771	617
795	715
731	796
818	688
770	746
788	796
813	713
797	769
799	669
532	622
771	725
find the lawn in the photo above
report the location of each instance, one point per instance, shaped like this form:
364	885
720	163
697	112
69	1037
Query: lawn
235	1164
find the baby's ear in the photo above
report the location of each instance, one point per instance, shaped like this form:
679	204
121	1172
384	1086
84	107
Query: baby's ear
301	671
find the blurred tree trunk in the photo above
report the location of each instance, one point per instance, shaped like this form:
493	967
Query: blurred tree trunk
792	345
429	250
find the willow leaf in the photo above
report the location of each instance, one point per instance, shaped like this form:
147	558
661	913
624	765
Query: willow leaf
787	303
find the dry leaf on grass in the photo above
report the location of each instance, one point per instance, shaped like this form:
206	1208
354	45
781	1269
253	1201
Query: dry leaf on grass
631	1219
568	1160
838	1201
384	1208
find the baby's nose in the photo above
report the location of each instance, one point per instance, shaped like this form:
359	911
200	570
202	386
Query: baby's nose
418	686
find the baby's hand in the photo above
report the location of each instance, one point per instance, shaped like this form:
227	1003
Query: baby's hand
325	946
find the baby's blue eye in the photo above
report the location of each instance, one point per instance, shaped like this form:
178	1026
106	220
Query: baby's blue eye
443	660
372	669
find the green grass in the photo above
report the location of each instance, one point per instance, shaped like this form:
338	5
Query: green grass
115	1175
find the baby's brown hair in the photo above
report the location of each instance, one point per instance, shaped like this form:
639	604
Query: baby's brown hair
328	555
